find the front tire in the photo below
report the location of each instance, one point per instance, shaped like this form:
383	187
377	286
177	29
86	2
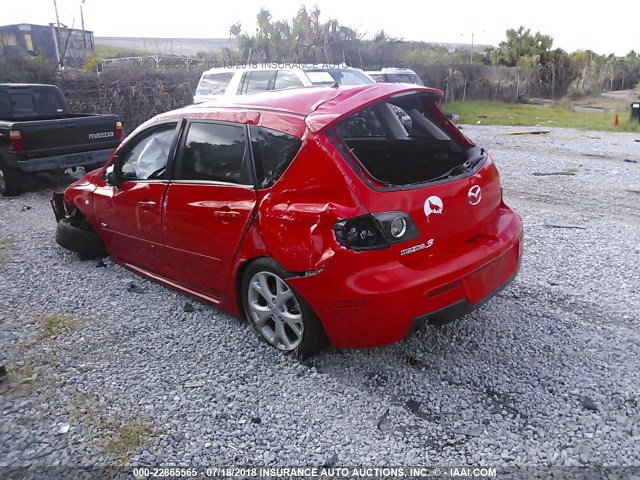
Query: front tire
278	314
78	236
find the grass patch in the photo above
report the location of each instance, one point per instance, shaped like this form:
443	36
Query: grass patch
516	114
5	244
54	324
128	437
111	51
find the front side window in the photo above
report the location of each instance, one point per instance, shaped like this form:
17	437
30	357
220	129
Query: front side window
148	157
215	152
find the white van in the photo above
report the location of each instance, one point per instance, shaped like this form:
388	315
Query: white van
218	83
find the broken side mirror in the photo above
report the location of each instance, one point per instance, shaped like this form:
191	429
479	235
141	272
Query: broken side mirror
114	173
114	178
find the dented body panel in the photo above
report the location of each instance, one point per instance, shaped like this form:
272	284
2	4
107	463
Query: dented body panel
198	236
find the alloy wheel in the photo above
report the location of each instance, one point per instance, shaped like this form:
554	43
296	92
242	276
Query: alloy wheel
275	311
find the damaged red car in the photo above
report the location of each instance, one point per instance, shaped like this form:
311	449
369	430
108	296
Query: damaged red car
344	214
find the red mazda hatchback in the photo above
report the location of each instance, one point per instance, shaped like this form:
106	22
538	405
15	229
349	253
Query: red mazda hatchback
349	214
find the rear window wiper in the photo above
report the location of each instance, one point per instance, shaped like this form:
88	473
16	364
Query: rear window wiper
471	163
460	169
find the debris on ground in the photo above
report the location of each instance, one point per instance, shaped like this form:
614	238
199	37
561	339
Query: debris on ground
134	288
564	225
194	384
549	174
527	132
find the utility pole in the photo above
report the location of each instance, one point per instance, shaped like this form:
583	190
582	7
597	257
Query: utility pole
84	35
57	36
472	48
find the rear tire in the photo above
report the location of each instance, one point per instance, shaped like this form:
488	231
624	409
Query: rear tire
78	236
277	313
11	180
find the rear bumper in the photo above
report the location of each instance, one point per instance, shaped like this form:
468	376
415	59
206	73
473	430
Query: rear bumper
363	302
57	162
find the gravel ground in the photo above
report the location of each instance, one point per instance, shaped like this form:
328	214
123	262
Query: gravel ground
547	373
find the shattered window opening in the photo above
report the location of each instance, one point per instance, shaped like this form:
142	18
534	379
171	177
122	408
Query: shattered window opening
399	141
148	159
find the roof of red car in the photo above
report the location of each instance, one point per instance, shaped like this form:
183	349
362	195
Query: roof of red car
315	107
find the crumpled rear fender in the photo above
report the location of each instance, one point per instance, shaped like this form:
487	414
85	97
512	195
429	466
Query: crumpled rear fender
297	215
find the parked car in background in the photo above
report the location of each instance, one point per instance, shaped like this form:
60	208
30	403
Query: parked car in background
395	75
38	133
218	83
404	75
315	212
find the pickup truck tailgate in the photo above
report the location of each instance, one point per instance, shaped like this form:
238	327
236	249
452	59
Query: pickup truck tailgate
78	133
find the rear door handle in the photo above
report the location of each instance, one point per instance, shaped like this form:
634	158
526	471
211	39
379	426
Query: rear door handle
148	205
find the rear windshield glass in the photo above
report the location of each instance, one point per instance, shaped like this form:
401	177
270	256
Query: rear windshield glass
399	141
31	102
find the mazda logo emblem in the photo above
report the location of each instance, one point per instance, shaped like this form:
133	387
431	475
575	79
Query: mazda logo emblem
475	195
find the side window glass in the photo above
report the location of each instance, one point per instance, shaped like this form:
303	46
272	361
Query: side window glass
260	81
364	123
286	79
149	156
214	84
273	151
404	118
215	152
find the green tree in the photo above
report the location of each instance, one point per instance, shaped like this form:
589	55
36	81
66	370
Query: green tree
521	47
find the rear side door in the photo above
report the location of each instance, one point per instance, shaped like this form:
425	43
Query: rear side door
209	205
129	215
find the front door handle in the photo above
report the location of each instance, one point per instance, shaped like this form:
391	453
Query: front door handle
227	214
148	205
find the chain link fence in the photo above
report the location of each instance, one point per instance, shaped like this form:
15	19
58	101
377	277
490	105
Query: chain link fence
138	92
134	94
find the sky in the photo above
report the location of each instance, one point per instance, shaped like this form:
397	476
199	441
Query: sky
599	26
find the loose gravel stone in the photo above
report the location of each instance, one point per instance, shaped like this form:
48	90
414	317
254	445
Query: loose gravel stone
140	379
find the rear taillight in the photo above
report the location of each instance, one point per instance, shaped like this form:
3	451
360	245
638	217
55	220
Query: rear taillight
379	230
16	141
119	130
